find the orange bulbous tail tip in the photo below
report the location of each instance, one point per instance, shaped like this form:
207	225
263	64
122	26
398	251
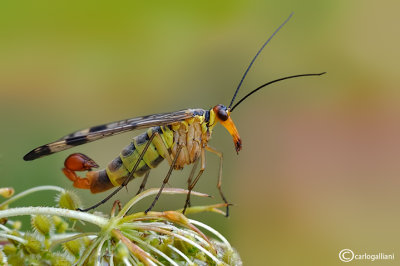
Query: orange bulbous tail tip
79	162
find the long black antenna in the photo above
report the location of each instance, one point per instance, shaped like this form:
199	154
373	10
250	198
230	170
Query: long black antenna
254	59
268	83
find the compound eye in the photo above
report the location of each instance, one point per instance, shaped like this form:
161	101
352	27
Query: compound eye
223	115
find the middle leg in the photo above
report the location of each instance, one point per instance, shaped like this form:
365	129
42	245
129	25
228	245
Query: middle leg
192	184
189	181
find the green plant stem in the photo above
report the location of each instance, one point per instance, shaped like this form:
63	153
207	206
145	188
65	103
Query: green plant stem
181	254
88	251
16	238
69	237
212	230
153	191
5	228
150	247
30	191
83	216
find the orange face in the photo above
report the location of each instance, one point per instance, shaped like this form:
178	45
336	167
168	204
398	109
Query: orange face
222	113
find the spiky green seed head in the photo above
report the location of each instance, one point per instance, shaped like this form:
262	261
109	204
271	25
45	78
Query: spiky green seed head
60	225
9	249
69	200
15	259
161	237
73	247
60	260
33	245
42	224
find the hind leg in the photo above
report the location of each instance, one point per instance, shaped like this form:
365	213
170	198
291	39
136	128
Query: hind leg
129	177
78	162
142	186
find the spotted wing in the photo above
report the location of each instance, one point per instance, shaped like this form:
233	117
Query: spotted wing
98	132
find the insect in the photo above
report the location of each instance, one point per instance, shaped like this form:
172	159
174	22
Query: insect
179	137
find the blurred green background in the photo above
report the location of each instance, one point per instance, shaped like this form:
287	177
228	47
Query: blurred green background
319	169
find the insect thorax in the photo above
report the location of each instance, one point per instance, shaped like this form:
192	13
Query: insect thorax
192	135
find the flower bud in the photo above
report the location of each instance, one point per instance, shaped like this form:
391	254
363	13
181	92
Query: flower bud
17	225
6	192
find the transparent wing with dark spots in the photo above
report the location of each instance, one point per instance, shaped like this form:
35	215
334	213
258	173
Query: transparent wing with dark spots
98	132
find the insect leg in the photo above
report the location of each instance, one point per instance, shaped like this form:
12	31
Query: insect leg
165	179
126	181
141	188
163	151
189	181
192	184
219	184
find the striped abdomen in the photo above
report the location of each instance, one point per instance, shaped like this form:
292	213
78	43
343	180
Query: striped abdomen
191	135
119	168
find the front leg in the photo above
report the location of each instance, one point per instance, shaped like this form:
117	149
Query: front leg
189	181
219	184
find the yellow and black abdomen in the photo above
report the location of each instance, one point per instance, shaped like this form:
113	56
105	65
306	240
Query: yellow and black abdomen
119	168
